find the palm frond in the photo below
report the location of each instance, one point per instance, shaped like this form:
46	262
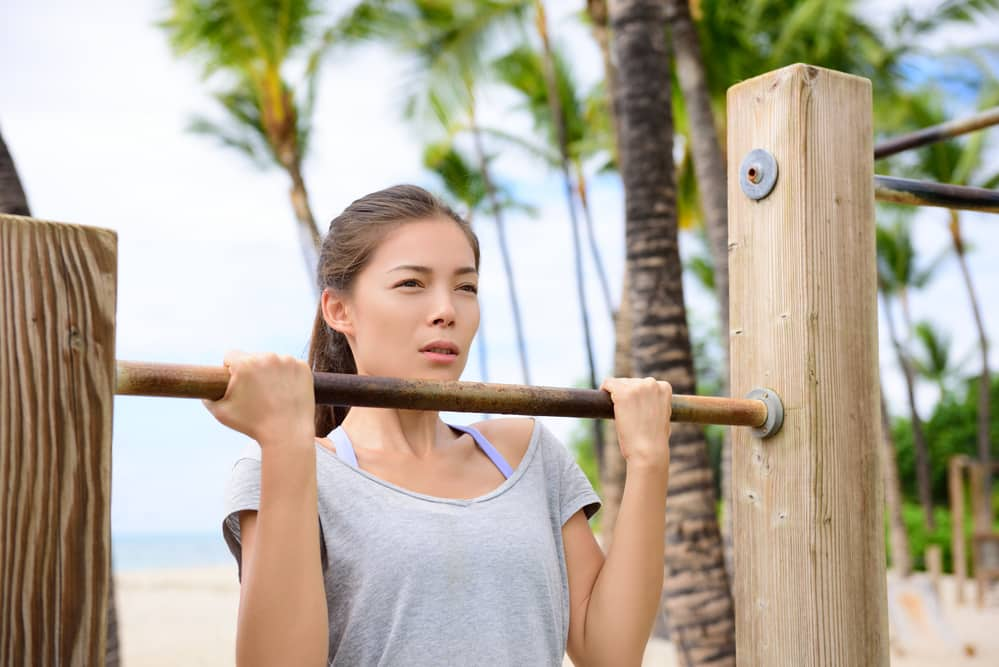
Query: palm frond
244	142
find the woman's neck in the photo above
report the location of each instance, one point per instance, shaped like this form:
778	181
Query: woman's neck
414	432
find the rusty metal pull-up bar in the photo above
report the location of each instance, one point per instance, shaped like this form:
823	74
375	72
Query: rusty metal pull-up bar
762	410
934	133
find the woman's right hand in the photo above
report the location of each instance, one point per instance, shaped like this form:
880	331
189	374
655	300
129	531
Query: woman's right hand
270	397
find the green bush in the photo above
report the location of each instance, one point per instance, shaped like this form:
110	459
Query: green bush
920	538
951	430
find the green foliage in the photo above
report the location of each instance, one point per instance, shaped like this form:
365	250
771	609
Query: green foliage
233	35
253	43
522	70
933	359
899	269
951	430
920	538
581	446
449	42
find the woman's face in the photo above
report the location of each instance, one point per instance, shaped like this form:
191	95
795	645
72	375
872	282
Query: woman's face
417	291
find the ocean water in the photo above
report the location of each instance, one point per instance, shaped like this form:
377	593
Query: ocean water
153	551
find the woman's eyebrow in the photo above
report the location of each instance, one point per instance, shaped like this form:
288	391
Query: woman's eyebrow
425	269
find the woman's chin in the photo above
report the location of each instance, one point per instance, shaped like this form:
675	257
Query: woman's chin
452	372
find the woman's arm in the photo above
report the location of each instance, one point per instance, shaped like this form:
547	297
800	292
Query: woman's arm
613	601
282	603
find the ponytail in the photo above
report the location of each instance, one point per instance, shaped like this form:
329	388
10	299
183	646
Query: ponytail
329	352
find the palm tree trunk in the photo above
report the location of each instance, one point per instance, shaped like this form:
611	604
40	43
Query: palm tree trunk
709	167
504	247
698	600
612	479
600	26
584	200
613	474
12	197
901	558
13	201
558	118
309	238
918	437
984	521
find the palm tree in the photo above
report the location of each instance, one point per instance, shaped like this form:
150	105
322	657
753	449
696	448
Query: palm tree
12	197
599	19
448	42
14	202
712	187
613	475
269	118
897	275
706	151
550	98
583	121
698	600
932	359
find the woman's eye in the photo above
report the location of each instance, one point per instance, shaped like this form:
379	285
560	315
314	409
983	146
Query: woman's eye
409	283
471	288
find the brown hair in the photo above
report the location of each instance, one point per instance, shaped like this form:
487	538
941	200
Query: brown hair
352	238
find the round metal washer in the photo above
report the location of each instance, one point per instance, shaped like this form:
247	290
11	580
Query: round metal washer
758	173
775	411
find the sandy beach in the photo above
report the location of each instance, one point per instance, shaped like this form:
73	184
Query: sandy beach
188	617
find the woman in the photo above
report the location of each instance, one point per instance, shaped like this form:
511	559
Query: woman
434	544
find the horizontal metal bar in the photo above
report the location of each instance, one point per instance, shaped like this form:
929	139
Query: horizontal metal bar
928	193
136	378
932	134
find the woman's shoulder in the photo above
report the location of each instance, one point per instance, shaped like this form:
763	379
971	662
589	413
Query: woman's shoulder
510	435
327	443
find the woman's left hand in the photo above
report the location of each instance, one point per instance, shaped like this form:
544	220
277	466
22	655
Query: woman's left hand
642	410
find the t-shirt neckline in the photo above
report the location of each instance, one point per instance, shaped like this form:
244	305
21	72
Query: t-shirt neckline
502	488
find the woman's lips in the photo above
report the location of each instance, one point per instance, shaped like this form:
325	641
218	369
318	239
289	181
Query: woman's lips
440	358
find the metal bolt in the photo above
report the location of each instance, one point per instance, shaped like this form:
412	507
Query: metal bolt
775	411
758	173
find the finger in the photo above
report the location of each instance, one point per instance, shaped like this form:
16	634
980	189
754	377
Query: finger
232	356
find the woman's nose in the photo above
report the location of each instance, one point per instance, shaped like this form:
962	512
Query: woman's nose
444	313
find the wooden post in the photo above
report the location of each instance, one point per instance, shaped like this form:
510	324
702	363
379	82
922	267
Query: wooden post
934	566
976	491
57	378
809	502
955	484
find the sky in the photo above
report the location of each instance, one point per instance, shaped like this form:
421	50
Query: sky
93	107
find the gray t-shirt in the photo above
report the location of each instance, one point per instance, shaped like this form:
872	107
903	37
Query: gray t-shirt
413	579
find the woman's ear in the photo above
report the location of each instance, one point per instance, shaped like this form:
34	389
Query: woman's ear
336	312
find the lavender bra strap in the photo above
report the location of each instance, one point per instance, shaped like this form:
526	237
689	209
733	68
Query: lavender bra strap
488	448
345	449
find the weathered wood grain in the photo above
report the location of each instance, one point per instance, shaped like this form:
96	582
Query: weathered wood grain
808	503
57	374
